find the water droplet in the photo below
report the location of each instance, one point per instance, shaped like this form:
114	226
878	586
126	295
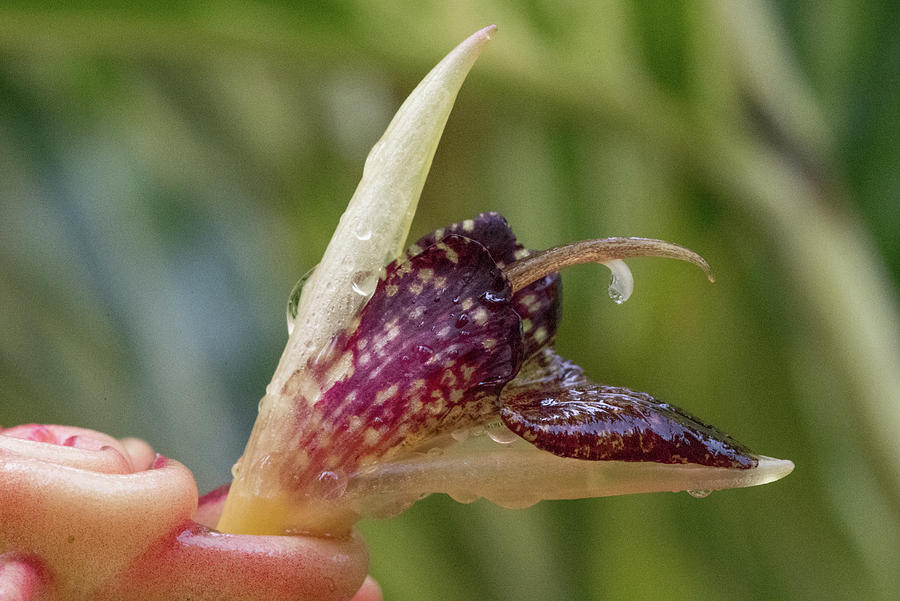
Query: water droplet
699	494
364	283
329	582
493	297
462	320
476	431
363	232
294	299
424	350
502	435
327	352
435	451
332	485
459	435
622	284
464	497
236	469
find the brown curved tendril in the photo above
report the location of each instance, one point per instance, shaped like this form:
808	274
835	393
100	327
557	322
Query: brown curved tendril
601	250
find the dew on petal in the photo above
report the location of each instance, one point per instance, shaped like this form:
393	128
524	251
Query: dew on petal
364	283
502	435
294	299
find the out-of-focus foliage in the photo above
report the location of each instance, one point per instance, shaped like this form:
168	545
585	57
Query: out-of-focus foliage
166	174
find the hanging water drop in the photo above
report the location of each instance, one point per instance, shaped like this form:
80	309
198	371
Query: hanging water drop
331	485
459	435
294	299
502	435
463	497
622	284
364	283
699	494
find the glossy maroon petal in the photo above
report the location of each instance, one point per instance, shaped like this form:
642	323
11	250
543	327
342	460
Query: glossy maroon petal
538	304
554	407
432	349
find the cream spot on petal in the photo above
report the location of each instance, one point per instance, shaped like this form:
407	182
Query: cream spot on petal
467	304
521	253
444	332
480	316
440	282
384	395
437	404
371	436
415	288
540	335
426	274
391	290
451	255
417	312
467	371
413	250
468	225
456	395
455	413
489	343
368	459
526	326
362	343
365	358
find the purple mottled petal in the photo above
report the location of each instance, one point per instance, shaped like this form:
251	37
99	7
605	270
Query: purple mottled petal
554	407
433	348
538	304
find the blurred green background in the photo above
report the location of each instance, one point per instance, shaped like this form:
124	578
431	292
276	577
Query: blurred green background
168	171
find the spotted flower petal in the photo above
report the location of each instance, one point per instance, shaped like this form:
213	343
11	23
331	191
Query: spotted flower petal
538	303
431	351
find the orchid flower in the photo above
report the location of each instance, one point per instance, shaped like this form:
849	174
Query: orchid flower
405	373
391	371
